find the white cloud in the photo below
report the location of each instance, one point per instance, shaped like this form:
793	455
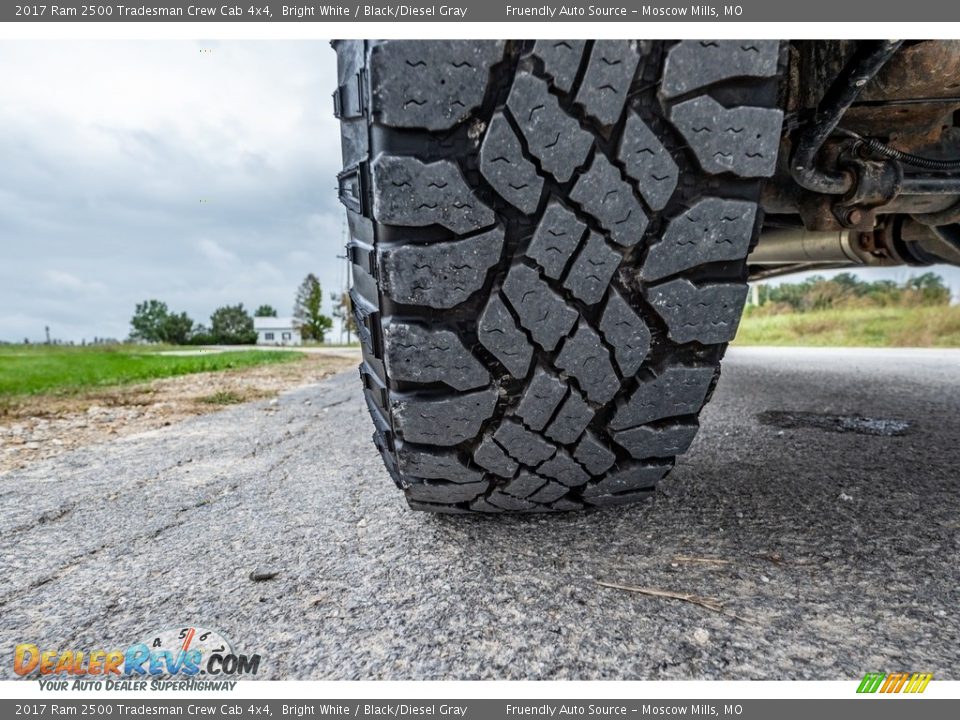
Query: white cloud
217	254
108	149
60	280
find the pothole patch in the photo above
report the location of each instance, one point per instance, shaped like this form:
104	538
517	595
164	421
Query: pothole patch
858	424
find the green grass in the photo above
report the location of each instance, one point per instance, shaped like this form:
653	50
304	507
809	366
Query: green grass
859	327
35	370
222	397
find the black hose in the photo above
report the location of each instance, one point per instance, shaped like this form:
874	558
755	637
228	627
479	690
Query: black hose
839	97
878	148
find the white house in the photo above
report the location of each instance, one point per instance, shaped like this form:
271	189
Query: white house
277	331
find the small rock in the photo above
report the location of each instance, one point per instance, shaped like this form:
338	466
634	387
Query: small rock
846	498
701	636
262	574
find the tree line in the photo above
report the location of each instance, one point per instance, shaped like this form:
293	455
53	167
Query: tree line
154	322
846	290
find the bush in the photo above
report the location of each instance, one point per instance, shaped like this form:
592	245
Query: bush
847	292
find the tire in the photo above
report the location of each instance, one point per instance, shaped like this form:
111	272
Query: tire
548	243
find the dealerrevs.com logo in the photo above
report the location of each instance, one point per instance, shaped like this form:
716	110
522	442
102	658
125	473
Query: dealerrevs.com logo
183	658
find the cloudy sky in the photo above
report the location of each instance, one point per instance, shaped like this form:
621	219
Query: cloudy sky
134	170
198	173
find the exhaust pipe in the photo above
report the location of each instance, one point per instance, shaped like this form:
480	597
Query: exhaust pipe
781	246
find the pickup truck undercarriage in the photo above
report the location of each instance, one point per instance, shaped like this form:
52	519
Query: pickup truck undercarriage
869	161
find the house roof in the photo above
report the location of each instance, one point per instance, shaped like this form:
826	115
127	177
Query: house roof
274	323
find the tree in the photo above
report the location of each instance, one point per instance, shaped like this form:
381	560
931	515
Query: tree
931	289
148	321
177	328
153	322
265	311
232	325
343	311
201	335
307	309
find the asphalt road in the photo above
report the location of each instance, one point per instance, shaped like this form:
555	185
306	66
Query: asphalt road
832	553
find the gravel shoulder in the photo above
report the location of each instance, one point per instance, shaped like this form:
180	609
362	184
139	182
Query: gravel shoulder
828	553
43	426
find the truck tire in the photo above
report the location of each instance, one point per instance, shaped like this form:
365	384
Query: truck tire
548	244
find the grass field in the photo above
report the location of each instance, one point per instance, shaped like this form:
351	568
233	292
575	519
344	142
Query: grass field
862	327
38	369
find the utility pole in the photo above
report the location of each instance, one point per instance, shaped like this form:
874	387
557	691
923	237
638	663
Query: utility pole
46	329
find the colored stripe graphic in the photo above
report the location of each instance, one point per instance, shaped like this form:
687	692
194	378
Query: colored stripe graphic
894	682
918	683
870	683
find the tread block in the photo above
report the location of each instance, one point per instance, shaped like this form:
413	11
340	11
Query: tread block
584	357
503	165
540	399
601	192
626	332
566	505
571	420
524	484
550	492
363	310
434	491
435	465
648	442
556	237
436	508
590	273
418	354
541	310
523	445
430	84
606	83
480	505
740	140
593	454
630	477
412	193
561	467
713	229
498	333
648	162
494	458
627	498
502	501
446	421
693	64
441	275
561	60
708	313
678	390
553	137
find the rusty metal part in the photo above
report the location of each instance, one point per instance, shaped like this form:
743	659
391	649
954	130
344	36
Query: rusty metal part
908	101
912	97
868	60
